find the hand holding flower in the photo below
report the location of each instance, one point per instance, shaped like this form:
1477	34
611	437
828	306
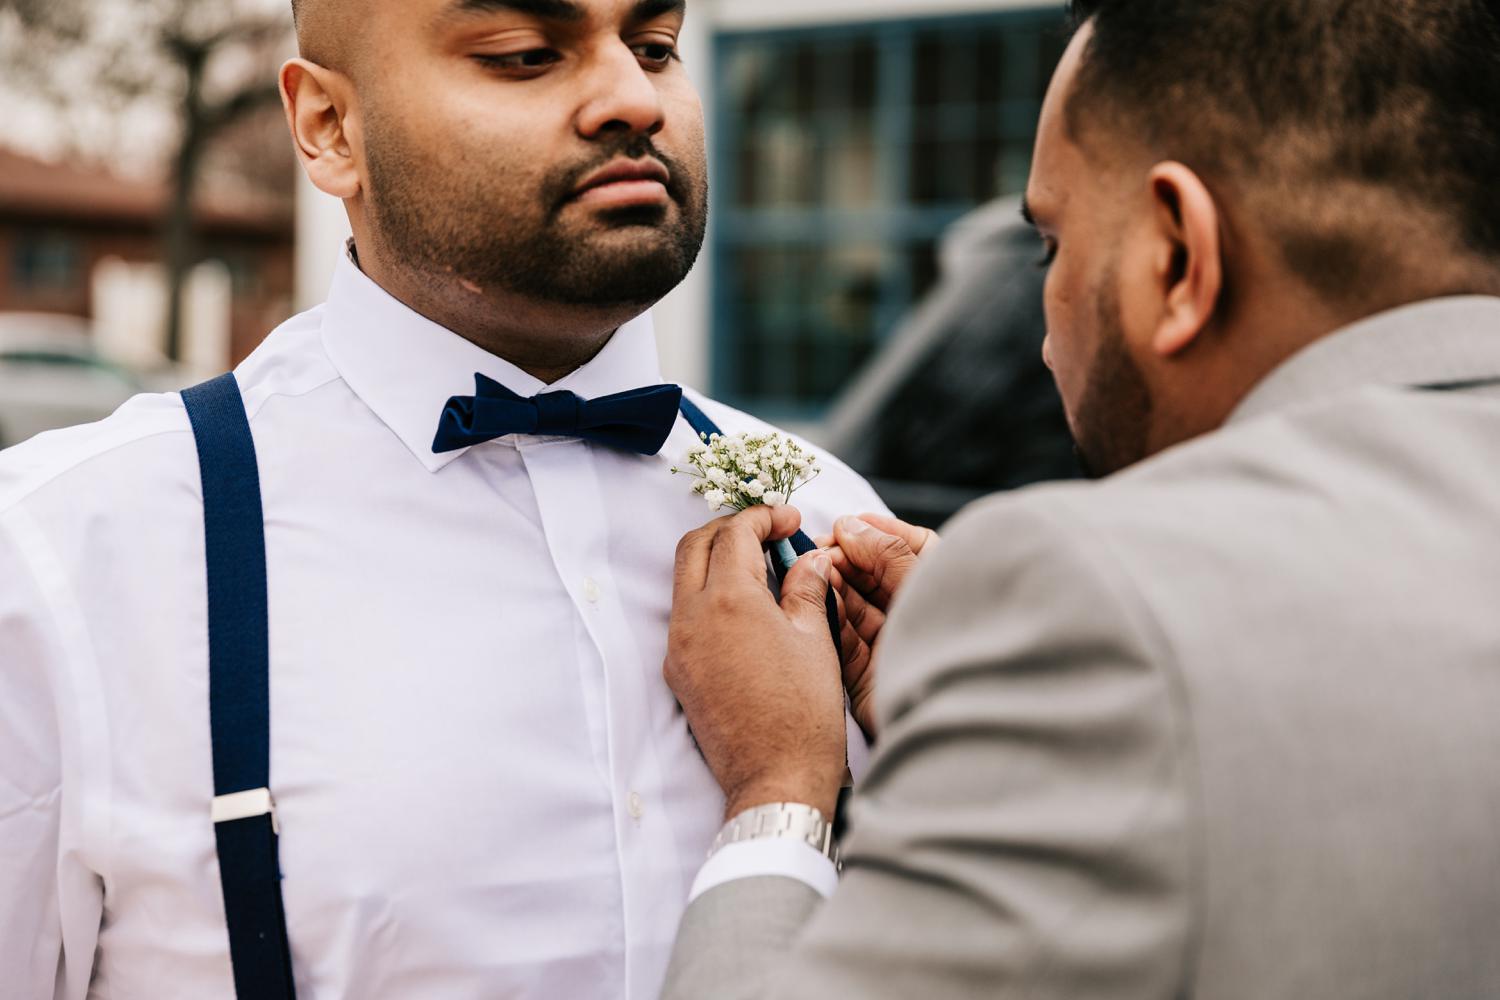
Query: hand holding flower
741	471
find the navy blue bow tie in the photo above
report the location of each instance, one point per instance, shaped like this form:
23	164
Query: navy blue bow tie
638	421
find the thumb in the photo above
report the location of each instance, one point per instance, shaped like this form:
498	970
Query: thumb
878	561
804	592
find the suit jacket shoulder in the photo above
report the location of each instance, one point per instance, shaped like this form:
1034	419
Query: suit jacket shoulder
1322	582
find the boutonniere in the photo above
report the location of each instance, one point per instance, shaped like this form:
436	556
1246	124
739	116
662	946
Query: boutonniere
743	470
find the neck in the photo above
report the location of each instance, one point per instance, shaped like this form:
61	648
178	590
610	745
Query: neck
1274	315
1254	335
548	341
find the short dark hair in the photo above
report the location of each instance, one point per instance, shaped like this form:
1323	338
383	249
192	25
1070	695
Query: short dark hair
325	31
1399	96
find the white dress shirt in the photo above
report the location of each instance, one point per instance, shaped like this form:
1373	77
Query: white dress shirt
484	786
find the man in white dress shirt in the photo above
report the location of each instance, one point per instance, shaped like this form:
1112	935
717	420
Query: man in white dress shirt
482	784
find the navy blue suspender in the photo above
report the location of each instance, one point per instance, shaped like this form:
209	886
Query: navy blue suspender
239	692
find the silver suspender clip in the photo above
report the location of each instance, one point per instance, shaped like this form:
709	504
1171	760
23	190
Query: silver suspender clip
245	805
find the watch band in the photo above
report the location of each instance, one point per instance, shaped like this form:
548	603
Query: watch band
781	821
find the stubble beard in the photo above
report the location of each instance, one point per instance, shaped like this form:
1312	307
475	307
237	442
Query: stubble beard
463	224
1112	422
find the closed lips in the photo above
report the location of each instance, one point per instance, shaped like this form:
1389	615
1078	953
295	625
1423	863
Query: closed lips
626	183
621	173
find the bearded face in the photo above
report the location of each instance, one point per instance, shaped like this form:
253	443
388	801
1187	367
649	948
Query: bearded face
508	222
530	155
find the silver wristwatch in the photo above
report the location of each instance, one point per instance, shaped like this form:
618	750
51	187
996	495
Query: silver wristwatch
781	820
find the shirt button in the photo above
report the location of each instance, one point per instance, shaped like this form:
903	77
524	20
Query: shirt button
591	590
637	807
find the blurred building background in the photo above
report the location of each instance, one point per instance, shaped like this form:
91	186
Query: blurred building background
848	138
86	243
146	191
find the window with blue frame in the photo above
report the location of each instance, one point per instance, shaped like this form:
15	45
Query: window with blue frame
842	154
46	262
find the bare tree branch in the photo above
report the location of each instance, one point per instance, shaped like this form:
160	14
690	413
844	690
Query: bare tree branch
79	55
242	104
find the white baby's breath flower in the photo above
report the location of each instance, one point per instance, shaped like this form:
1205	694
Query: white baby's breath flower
743	470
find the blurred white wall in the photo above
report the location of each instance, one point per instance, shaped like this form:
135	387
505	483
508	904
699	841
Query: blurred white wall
130	313
322	228
206	319
130	304
682	318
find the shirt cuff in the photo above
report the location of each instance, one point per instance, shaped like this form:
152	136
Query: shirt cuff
773	856
858	748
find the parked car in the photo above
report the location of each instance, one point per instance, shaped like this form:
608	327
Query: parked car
51	376
959	404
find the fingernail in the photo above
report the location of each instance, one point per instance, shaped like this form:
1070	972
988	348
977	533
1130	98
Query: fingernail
853	525
822	565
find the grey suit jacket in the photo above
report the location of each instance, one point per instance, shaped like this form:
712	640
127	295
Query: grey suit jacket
1224	726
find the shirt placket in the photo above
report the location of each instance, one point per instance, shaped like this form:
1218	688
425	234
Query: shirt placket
575	520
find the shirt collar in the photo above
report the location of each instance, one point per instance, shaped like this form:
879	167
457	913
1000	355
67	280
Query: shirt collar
405	367
1445	340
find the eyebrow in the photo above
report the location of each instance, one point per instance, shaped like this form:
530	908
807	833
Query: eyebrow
650	10
564	11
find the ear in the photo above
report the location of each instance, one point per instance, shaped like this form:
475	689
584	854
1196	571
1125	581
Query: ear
316	100
1191	268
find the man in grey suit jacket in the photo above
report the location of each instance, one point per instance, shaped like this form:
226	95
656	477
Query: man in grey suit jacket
1227	723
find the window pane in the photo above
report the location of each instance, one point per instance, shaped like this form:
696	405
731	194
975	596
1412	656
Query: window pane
46	262
849	151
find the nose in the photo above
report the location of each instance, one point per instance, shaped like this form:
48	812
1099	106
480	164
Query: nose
622	96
